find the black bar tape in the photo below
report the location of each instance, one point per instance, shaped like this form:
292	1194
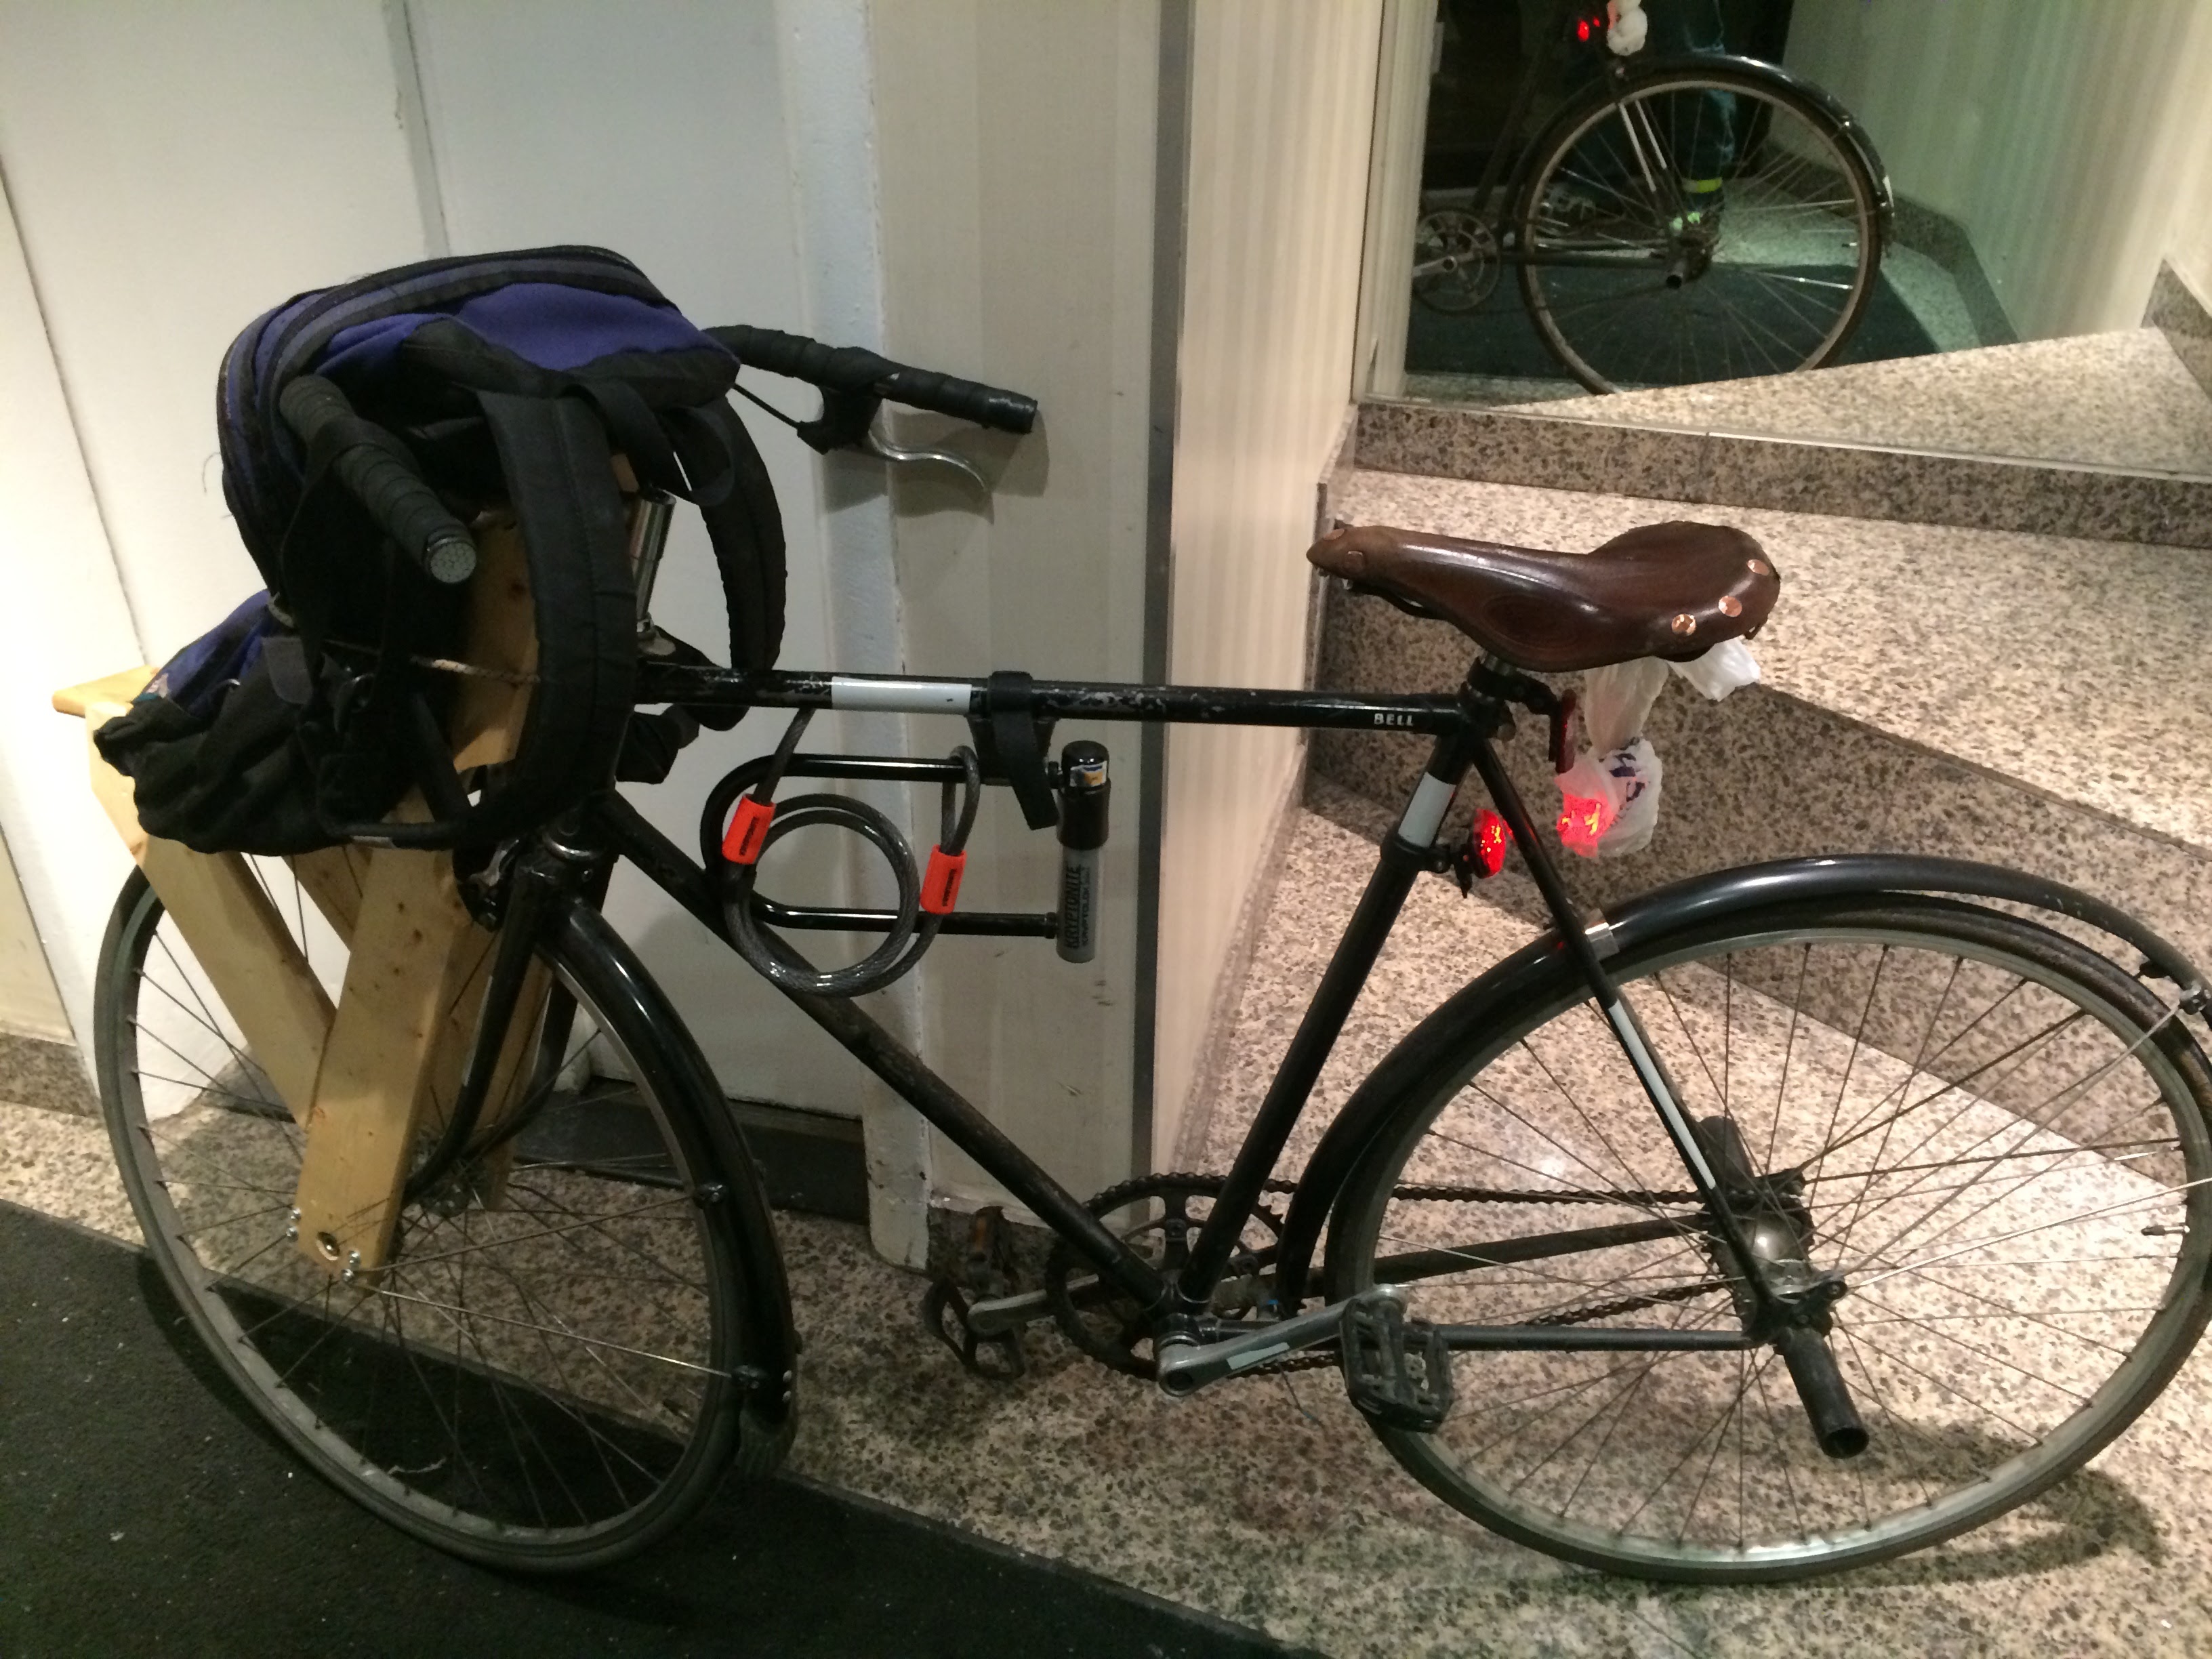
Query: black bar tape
376	469
850	369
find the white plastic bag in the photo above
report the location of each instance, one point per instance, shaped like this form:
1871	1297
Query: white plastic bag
1720	670
1609	801
1630	26
1609	797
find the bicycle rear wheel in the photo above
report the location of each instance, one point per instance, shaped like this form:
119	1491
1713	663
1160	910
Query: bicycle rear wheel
552	1371
1715	223
1998	1138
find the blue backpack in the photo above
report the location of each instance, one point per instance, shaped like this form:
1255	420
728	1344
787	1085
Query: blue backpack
502	380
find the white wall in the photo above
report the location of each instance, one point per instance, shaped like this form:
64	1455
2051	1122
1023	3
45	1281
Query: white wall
1016	150
1393	196
58	576
175	170
1282	112
2189	238
658	128
2055	132
172	171
30	1005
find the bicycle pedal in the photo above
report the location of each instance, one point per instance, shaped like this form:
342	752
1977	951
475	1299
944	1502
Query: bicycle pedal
1396	1369
997	1357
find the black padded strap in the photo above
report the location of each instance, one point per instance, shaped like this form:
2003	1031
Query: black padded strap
1020	747
561	473
746	528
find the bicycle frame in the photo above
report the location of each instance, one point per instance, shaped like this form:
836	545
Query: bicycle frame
1463	726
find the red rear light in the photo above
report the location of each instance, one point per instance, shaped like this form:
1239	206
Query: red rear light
1582	28
1583	823
1491	838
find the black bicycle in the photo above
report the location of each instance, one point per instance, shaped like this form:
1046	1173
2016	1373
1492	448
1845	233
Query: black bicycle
1778	1221
1679	219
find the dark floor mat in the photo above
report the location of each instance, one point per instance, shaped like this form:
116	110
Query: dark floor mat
1496	339
143	1509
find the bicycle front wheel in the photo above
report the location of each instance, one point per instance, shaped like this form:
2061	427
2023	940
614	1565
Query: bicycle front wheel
1709	223
549	1373
1995	1138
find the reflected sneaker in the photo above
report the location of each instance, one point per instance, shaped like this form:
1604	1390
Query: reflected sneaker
1706	200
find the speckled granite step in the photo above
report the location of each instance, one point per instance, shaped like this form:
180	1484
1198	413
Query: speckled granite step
2030	700
2123	399
2105	436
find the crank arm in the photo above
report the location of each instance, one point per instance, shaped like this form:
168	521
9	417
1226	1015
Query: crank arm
1186	1366
997	1314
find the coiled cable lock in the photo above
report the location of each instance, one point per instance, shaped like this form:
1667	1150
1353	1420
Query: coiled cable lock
757	821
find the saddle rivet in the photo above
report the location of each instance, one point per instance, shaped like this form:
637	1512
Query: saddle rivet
1685	623
1761	567
1731	605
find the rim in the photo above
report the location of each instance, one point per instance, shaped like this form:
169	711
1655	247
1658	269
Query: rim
1771	280
557	1434
1888	1296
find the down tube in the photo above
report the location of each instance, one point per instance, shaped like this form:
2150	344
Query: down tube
670	869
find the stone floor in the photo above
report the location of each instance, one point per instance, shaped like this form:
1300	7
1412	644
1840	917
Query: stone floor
1267	1503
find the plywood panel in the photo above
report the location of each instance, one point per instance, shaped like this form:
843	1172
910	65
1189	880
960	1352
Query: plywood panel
407	1014
242	943
412	957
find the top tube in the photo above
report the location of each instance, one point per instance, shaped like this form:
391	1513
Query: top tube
1433	712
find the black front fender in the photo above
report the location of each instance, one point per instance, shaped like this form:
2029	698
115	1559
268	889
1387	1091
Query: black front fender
1543	969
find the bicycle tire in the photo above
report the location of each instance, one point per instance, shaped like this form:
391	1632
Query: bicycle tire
1982	1376
1679	288
547	1378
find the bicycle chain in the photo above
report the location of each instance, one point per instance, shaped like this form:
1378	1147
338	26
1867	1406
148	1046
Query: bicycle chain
1435	1194
1315	1359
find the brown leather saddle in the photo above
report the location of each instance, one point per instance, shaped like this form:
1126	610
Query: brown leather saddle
1660	590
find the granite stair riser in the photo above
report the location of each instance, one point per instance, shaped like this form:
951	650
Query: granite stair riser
1723	469
40	1072
1764	774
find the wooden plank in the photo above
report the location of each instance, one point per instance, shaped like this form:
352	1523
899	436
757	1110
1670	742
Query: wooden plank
236	935
113	692
412	955
247	949
407	1013
503	635
334	877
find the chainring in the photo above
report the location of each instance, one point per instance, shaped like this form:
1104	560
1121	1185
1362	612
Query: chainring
1107	1325
1456	260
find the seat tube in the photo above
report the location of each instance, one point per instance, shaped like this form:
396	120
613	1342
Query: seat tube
1405	854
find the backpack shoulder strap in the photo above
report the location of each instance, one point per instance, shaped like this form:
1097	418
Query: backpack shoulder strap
561	474
746	528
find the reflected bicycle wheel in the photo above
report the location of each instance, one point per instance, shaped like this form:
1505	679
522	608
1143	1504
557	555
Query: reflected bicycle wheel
1996	1137
1714	223
549	1373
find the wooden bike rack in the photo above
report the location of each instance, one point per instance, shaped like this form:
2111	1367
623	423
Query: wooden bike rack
367	1076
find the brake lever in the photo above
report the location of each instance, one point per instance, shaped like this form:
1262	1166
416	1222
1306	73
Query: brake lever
876	444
